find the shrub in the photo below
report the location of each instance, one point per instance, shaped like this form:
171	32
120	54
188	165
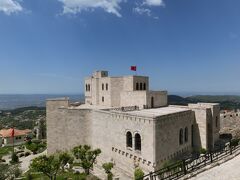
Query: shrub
14	158
234	142
32	147
21	155
29	176
108	167
138	174
27	154
203	151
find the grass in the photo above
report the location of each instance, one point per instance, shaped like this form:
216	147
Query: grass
61	176
5	151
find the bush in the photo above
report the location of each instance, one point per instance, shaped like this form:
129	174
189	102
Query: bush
21	155
108	167
203	151
14	158
29	176
27	154
36	141
234	142
138	174
32	147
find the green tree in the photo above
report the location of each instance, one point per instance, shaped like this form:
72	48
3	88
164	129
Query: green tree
9	172
48	165
86	156
64	159
14	158
138	174
108	167
3	171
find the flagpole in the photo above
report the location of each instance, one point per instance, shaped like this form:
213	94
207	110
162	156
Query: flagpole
13	139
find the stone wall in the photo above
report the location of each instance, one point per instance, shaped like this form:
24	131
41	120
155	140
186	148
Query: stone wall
167	132
109	134
133	98
159	97
66	128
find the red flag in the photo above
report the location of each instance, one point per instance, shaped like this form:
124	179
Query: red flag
133	68
12	133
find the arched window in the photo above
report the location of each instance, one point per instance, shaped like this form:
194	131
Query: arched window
107	87
102	99
102	86
129	139
144	86
137	86
89	87
137	142
141	86
186	134
181	136
86	87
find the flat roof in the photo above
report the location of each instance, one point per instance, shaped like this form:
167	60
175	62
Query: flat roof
156	112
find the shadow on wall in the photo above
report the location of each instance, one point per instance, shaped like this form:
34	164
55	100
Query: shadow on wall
196	140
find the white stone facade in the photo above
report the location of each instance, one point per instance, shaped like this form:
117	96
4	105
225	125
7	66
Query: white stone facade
146	133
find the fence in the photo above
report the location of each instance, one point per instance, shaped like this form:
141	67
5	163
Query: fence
186	166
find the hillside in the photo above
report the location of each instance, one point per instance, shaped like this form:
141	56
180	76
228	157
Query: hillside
22	118
226	101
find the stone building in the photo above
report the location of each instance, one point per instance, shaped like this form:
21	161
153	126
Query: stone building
133	126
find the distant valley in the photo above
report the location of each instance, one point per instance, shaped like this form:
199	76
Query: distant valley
9	102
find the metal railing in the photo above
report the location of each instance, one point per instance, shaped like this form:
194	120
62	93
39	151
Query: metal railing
189	165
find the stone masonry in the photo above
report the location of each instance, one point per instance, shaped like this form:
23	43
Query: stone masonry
133	126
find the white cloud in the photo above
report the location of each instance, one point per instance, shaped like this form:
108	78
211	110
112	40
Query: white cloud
144	7
10	6
154	2
141	11
76	6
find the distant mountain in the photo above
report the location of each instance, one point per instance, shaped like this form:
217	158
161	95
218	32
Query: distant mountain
8	102
14	101
225	101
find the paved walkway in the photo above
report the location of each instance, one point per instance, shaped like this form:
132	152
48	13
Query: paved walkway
226	171
25	161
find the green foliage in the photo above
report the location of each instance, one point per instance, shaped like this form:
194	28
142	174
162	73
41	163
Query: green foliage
138	174
64	159
108	167
3	169
32	147
27	154
14	158
234	142
86	156
50	165
35	146
5	150
28	114
9	172
202	151
29	176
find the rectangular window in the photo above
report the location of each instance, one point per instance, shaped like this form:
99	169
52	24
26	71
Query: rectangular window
102	99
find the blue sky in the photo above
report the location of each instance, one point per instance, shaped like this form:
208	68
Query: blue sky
49	46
